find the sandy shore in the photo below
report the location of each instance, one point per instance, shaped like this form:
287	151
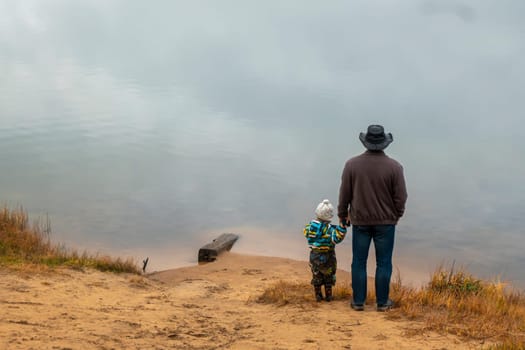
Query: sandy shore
200	307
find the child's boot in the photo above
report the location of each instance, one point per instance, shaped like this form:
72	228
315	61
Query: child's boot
318	293
328	292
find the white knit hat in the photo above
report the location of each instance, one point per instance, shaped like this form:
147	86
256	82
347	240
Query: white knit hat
325	210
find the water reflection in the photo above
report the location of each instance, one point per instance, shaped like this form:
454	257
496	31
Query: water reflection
149	129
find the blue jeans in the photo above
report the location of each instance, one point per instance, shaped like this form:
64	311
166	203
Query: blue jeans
383	237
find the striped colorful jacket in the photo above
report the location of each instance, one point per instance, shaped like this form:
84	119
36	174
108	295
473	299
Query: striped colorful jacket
323	236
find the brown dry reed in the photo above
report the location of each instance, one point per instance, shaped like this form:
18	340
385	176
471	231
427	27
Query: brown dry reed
452	302
297	293
22	243
456	302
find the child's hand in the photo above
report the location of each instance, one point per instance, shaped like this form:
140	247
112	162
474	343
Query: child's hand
344	222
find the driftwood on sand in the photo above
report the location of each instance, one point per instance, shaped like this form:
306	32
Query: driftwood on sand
210	251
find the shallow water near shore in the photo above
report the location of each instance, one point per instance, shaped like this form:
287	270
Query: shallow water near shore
148	131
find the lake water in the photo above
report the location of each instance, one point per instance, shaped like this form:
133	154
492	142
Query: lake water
149	130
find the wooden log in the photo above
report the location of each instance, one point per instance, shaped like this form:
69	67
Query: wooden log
210	251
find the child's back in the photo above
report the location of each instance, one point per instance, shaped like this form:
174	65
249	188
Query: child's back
322	238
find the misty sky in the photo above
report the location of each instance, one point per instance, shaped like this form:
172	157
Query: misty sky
267	99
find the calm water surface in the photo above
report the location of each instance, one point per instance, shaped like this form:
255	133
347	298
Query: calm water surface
149	130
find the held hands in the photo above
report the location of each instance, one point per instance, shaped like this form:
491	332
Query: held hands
344	222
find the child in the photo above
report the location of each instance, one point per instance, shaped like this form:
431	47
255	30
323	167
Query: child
322	238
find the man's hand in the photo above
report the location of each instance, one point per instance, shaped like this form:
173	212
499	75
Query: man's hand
343	222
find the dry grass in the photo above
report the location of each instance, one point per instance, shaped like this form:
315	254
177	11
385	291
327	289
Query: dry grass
452	302
21	243
508	345
456	302
297	293
285	293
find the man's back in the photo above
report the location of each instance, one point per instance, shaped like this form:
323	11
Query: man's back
372	190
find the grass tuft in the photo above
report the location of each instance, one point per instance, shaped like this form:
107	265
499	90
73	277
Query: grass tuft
21	243
508	345
456	302
284	293
297	293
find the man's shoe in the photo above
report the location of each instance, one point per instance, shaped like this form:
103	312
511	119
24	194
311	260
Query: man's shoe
385	307
357	307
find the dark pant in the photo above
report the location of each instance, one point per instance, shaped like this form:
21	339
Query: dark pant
324	266
383	237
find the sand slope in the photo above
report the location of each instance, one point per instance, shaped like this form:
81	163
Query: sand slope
200	307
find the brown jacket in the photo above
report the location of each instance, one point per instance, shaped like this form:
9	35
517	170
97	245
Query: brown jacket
373	190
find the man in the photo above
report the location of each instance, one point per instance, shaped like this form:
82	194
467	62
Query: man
372	199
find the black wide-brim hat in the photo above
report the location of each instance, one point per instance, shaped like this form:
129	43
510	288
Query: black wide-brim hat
375	138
